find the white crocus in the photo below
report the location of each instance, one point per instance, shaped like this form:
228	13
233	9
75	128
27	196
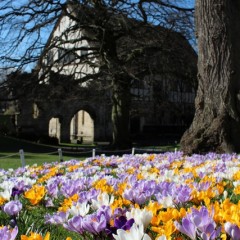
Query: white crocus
140	216
163	237
6	194
81	209
167	202
134	233
225	194
6	189
27	180
103	199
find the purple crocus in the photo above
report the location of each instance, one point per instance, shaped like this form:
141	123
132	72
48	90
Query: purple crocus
232	230
140	192
95	223
16	192
119	223
187	228
57	218
205	223
52	189
75	224
70	187
8	234
12	208
200	223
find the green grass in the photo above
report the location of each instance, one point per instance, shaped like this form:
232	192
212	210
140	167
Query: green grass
164	148
8	144
38	153
12	160
33	153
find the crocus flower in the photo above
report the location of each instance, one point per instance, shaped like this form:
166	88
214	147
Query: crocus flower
140	216
162	237
187	227
57	218
204	223
120	223
94	223
200	223
140	192
12	208
134	233
103	199
123	223
8	234
6	190
16	192
70	187
35	236
74	224
35	194
52	189
183	194
81	209
232	230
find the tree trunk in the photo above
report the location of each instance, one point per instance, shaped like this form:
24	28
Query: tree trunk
120	113
216	124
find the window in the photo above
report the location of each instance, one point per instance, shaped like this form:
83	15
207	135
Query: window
35	111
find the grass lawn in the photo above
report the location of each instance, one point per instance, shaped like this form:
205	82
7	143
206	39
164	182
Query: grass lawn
39	153
12	160
33	153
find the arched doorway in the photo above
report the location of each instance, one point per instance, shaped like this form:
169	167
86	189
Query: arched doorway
82	128
54	128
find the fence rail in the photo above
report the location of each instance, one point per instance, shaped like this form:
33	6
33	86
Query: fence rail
92	153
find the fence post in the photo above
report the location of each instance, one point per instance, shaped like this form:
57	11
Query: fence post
21	153
60	155
93	153
133	151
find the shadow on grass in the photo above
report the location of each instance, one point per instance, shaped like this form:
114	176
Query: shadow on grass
8	144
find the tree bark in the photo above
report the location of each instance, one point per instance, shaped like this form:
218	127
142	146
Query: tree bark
216	124
120	113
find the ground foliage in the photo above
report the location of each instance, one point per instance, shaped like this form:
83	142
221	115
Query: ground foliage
145	196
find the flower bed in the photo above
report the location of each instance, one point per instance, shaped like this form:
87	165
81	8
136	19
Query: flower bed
148	196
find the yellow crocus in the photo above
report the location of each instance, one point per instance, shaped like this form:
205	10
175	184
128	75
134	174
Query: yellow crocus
35	194
119	203
224	236
103	186
154	170
151	157
171	213
205	196
2	201
154	207
52	172
140	176
73	168
35	236
68	202
237	190
236	176
121	187
226	212
167	229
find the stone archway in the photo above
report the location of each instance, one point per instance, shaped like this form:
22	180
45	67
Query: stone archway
54	128
82	127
